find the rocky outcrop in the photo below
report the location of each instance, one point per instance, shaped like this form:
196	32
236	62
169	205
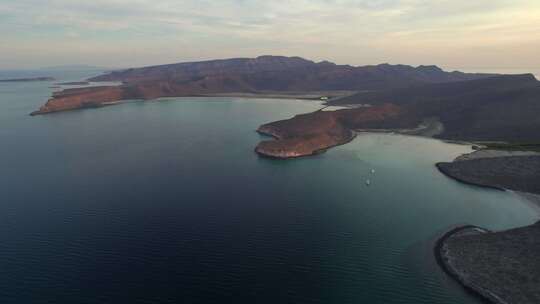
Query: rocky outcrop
519	173
502	267
313	133
303	135
81	98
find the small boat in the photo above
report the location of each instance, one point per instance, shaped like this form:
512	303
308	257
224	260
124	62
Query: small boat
372	171
368	182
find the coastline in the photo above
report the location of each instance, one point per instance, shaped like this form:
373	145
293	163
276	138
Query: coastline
319	96
502	170
500	267
123	101
530	198
443	262
315	132
461	260
84	98
313	152
446	172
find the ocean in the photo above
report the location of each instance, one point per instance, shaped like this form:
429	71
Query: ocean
166	202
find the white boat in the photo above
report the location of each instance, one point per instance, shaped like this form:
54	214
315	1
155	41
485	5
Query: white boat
372	171
368	182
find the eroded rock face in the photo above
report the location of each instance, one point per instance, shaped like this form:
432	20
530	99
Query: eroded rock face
312	133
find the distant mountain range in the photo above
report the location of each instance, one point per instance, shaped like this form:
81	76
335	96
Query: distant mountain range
247	75
278	73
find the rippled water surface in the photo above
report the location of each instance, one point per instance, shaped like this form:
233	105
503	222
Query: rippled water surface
165	202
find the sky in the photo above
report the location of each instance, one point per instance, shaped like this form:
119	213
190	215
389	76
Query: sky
464	34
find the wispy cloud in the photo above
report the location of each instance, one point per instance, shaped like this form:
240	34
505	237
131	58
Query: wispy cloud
137	32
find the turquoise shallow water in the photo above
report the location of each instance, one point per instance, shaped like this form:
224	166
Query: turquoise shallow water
165	202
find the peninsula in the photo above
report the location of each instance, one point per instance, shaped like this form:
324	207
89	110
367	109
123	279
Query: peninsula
501	108
502	267
517	171
312	133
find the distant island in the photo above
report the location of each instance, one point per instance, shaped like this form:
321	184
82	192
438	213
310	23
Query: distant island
28	79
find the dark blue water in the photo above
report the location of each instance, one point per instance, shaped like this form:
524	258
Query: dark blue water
165	202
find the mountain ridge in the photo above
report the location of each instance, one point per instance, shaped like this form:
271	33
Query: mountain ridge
322	73
246	75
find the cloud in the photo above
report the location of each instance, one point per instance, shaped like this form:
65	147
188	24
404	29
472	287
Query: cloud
343	30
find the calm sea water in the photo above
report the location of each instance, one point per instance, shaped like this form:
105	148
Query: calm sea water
165	202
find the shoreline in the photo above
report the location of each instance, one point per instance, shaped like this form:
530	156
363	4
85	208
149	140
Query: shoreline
314	152
501	170
461	261
531	199
470	243
119	102
444	262
315	132
498	266
446	173
442	259
79	97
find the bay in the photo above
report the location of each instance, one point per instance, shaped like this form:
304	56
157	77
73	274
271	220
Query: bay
166	202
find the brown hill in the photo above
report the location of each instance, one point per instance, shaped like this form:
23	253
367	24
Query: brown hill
312	133
267	73
247	75
502	108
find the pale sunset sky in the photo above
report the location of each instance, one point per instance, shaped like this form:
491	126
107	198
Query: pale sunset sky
130	33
